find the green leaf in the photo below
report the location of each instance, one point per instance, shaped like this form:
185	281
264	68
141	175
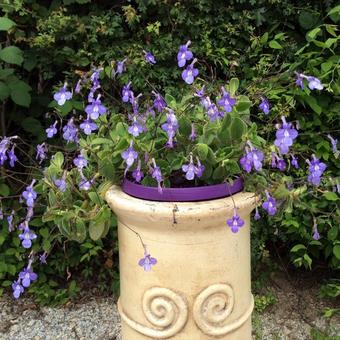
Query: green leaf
308	19
297	247
20	92
334	13
81	231
12	55
311	101
4	190
243	104
238	128
96	230
32	125
21	98
336	251
170	100
331	196
4	91
313	33
58	159
202	150
4	73
95	198
275	45
6	24
233	85
333	233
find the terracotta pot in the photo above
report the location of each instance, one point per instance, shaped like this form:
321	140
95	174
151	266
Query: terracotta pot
200	287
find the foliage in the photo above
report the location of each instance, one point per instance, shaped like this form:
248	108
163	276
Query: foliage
260	43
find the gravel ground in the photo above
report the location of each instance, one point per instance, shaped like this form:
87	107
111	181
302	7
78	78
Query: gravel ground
296	312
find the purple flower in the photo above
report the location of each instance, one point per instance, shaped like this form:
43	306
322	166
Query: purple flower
10	221
170	127
70	132
157	175
134	102
127	93
294	162
29	215
211	110
4	145
199	168
236	222
43	258
95	109
149	57
257	215
129	156
190	73
200	92
316	169
264	106
226	101
12	157
135	129
299	80
193	134
27	236
314	83
88	126
18	289
189	170
184	54
61	184
95	79
334	143
281	164
252	159
159	103
137	174
85	184
41	152
27	276
1	214
121	66
29	195
316	235
285	136
269	205
52	130
80	162
77	89
62	95
147	262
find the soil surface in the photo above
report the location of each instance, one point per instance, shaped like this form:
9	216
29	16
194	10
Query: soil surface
296	314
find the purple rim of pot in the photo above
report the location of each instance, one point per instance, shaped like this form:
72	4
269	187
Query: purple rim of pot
193	194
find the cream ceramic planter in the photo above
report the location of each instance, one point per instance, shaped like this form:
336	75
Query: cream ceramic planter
200	287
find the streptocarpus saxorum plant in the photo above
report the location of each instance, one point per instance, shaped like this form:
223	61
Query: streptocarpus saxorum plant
202	137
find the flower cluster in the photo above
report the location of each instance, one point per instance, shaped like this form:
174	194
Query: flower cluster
7	151
184	55
252	159
313	82
153	123
285	136
191	170
316	169
26	277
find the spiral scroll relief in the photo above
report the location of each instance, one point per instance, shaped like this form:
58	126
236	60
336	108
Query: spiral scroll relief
166	310
212	308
